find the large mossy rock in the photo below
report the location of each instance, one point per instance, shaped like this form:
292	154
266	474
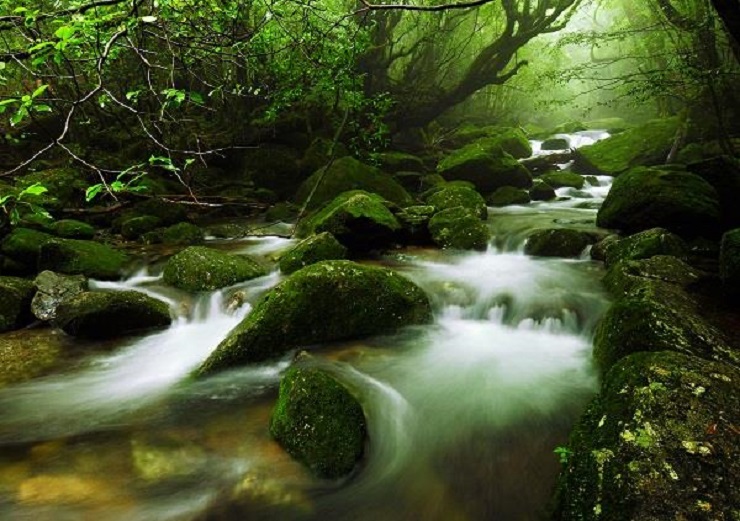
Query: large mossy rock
183	233
645	198
324	302
723	173
511	140
135	227
359	220
558	242
414	222
541	191
168	213
458	228
316	248
23	245
319	422
394	162
108	314
508	195
556	143
198	268
659	443
628	275
72	229
487	170
452	195
347	174
65	187
643	245
15	302
319	153
88	258
657	316
729	262
646	145
563	179
52	290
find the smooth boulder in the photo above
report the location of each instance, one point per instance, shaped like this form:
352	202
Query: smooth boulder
558	242
53	289
198	268
88	258
643	245
318	422
452	195
458	228
487	170
109	314
323	302
508	195
316	248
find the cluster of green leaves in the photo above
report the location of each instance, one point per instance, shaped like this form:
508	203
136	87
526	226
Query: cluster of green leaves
20	204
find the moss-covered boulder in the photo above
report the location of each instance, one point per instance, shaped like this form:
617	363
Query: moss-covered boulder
316	248
556	143
723	173
394	162
88	258
541	191
729	261
323	302
319	153
198	268
660	442
359	220
183	233
52	290
558	242
23	245
29	353
511	140
135	227
508	195
562	179
65	187
108	314
452	195
284	212
72	229
15	302
657	316
414	222
458	228
487	170
319	422
645	145
645	198
347	174
569	127
628	275
643	245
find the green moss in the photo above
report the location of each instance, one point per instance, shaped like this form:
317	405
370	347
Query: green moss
508	195
415	223
108	314
558	242
310	251
66	187
458	228
611	125
168	213
541	191
135	227
23	245
394	162
556	143
487	170
644	245
359	220
511	140
347	174
284	212
658	443
15	302
319	153
563	178
323	302
645	145
452	195
645	198
88	258
183	233
198	268
627	275
319	422
71	229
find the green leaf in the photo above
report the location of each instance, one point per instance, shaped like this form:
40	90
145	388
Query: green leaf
92	191
196	98
65	32
117	186
39	91
34	189
4	199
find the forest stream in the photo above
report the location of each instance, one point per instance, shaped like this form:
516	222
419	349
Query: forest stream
463	414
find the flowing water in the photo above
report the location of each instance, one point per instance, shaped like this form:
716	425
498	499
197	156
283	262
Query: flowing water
463	414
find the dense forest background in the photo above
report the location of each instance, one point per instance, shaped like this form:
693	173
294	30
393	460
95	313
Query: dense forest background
125	91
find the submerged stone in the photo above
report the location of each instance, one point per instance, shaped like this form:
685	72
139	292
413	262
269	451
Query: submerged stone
319	422
198	268
323	302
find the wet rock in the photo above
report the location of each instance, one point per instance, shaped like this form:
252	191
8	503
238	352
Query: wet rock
508	195
53	289
347	174
135	227
324	302
558	242
541	191
556	143
541	164
486	170
23	245
627	275
88	258
15	302
71	229
646	145
660	442
319	422
394	162
645	198
183	233
168	213
361	221
511	140
164	457
29	353
563	178
109	314
644	245
316	248
414	221
723	173
198	268
284	212
729	262
452	195
458	228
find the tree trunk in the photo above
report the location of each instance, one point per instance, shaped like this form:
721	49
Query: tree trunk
729	12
